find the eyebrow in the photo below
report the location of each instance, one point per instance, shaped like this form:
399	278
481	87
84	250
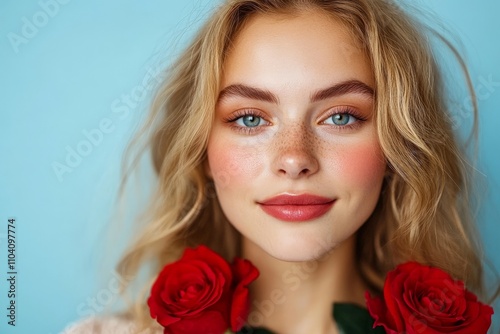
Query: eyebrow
345	87
341	88
247	91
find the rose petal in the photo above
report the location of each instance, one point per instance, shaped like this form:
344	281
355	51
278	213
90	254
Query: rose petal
244	274
378	311
208	323
428	301
186	274
393	292
197	287
211	258
162	316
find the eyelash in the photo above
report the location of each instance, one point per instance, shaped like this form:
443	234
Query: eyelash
359	119
242	113
250	112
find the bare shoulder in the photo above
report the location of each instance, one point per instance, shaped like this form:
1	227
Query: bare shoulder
107	324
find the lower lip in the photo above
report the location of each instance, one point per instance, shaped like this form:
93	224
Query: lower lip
297	213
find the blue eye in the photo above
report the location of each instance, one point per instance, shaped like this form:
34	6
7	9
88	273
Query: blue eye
250	121
341	119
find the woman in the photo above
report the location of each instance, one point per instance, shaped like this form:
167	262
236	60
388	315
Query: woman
311	138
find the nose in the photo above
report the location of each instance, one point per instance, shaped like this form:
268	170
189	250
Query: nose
295	154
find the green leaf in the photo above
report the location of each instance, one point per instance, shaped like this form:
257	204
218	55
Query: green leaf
252	330
350	319
354	319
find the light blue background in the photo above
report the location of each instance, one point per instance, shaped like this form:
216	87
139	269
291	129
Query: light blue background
74	72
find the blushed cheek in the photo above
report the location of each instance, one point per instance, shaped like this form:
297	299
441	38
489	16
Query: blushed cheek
233	165
361	166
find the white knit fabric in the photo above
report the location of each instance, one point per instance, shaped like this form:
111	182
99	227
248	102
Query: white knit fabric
105	325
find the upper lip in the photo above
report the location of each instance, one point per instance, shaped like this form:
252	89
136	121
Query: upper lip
296	199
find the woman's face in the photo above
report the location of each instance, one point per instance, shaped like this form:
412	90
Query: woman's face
293	151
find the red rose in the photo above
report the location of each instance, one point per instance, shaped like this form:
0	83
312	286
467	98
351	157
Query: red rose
201	292
244	274
422	299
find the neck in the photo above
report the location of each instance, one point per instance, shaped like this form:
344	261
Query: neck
297	297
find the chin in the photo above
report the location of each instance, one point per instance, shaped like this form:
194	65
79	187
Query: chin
299	249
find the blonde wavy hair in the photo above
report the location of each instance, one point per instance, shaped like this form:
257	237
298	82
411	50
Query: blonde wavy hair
423	212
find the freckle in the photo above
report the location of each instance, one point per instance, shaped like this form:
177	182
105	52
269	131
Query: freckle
306	138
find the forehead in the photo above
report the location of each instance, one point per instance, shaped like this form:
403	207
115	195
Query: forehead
306	46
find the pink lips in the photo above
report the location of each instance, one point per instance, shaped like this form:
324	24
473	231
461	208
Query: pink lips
296	208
